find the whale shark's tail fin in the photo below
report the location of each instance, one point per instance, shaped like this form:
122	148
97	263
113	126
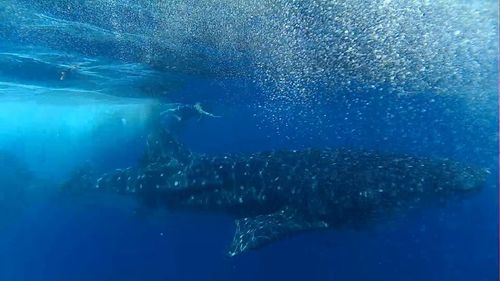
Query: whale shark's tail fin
256	232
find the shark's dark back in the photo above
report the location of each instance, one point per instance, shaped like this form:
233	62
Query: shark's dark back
318	182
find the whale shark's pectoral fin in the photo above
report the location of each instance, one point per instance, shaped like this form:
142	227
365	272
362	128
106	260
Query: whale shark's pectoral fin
255	232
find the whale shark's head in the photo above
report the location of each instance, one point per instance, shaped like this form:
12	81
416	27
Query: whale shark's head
459	179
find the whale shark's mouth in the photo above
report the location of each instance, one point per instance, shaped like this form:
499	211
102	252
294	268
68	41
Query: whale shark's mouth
466	178
472	179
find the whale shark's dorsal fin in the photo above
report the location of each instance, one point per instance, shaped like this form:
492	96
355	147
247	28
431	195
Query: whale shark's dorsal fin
255	232
163	147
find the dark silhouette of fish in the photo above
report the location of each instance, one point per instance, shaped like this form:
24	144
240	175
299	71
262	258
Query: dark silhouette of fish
273	195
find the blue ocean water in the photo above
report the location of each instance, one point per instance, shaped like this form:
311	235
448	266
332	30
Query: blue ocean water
82	81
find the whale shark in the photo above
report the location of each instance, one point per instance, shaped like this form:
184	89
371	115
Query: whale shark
278	194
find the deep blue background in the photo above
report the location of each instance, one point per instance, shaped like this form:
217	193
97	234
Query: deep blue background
56	237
